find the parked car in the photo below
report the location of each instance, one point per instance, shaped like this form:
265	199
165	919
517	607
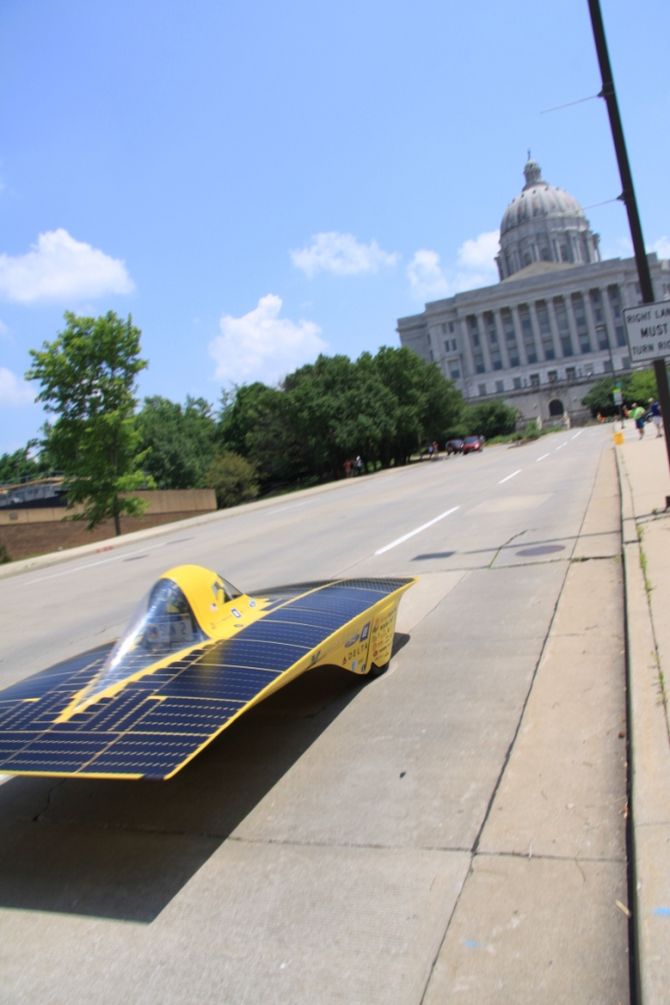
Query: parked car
473	444
454	446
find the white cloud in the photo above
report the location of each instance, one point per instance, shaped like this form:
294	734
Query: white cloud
426	276
478	253
263	346
341	255
620	247
475	266
13	390
662	247
58	267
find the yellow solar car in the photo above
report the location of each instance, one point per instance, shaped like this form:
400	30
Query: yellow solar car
196	656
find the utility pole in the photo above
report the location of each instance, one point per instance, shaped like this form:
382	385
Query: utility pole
630	202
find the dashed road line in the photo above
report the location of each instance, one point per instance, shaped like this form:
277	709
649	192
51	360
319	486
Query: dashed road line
507	477
417	530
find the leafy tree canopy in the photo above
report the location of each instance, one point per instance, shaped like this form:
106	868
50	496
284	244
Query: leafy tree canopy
327	412
637	386
489	419
233	479
87	377
20	466
178	441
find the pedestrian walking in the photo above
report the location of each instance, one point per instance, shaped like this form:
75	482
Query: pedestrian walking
654	413
638	415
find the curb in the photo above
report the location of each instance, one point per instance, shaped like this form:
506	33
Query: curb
649	782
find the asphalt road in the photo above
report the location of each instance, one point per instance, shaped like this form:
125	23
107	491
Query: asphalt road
316	851
460	514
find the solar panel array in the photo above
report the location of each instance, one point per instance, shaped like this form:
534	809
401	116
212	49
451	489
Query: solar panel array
157	723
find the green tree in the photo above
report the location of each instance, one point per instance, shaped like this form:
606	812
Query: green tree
640	386
490	418
233	479
600	398
87	376
20	466
329	411
425	403
254	422
178	442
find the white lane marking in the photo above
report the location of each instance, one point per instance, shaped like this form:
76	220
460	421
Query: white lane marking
417	530
561	445
541	458
513	475
578	433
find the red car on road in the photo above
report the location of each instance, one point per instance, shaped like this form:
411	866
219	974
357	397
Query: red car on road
473	445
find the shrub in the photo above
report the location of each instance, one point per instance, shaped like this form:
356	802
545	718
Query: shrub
233	479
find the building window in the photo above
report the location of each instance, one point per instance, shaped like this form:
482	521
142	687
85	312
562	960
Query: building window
607	366
527	334
509	333
534	380
570	373
596	306
603	337
544	326
490	327
579	311
563	325
481	388
500	386
614	297
552	376
517	383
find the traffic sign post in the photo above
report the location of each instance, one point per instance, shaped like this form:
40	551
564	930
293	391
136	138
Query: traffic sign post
648	332
627	196
648	328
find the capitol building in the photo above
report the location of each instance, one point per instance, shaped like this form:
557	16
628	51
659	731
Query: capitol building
552	326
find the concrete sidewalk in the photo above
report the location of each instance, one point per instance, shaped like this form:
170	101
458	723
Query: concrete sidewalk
645	483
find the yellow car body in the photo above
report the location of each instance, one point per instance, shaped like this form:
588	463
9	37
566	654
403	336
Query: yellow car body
197	655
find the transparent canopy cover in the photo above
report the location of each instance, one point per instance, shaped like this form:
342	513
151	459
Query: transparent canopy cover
162	625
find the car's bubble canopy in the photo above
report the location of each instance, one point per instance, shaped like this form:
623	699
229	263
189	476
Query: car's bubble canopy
162	625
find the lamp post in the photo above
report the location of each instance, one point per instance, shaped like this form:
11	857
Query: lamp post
628	198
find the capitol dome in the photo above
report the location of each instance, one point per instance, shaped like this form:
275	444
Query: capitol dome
544	228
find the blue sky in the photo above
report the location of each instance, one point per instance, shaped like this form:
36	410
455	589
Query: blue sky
259	182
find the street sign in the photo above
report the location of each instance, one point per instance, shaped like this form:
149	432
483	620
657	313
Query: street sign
648	329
